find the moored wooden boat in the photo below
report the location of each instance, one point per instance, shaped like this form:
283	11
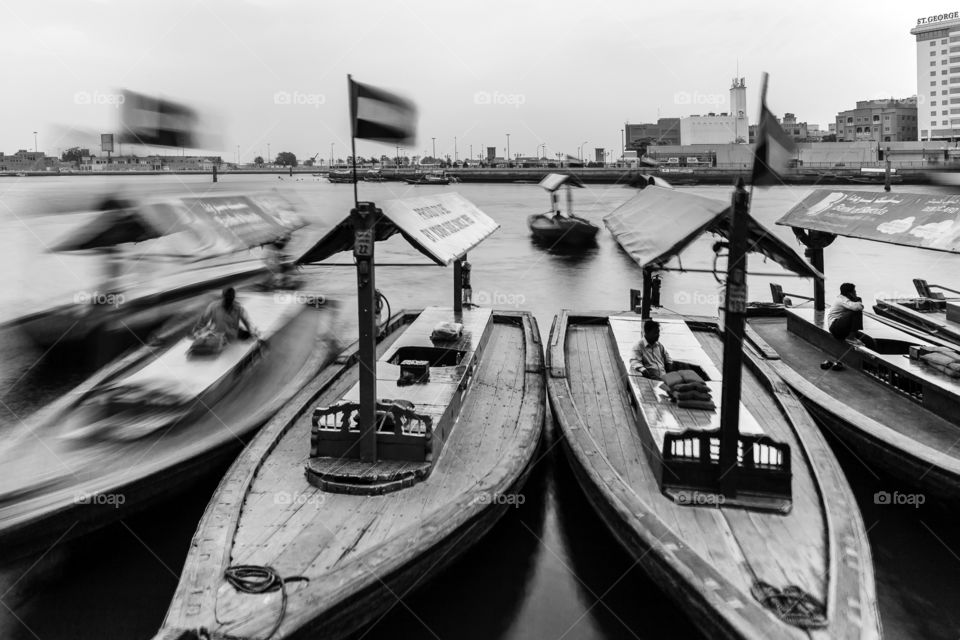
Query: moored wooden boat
898	411
340	176
714	558
931	311
91	458
338	516
741	513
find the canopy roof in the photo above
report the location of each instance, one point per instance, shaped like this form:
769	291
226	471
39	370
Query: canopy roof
657	224
201	226
927	221
443	227
554	181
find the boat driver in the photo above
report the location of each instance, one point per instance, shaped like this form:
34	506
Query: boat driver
224	317
650	358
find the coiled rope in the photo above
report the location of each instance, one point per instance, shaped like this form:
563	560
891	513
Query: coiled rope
249	578
793	605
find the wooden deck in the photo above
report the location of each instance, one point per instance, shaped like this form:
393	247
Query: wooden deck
48	476
709	556
884	428
356	550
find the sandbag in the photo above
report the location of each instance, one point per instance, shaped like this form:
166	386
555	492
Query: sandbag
692	386
697	404
941	359
692	395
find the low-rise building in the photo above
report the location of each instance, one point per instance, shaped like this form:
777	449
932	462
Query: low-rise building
886	120
639	136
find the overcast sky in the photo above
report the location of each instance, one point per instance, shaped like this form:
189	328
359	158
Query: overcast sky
559	73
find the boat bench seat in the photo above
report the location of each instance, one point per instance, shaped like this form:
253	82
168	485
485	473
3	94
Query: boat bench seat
431	401
811	325
686	441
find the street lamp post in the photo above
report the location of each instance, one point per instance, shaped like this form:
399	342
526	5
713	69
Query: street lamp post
581	151
508	150
34	141
331	155
434	154
268	153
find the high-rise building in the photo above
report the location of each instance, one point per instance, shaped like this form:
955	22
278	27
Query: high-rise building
938	76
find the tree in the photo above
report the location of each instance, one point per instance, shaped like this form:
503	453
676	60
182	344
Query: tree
73	154
258	161
286	159
309	163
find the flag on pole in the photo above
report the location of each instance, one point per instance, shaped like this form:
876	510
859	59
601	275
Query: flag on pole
380	115
774	148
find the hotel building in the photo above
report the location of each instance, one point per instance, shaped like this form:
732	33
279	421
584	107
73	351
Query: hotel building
938	76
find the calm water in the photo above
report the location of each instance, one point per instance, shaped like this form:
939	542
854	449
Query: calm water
549	569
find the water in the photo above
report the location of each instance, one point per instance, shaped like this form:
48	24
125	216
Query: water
549	569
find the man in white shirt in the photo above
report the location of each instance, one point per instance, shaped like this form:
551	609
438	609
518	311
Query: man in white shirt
845	317
225	315
650	358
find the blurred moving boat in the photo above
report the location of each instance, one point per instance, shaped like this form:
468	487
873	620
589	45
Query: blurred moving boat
561	227
456	419
186	246
744	518
898	404
150	424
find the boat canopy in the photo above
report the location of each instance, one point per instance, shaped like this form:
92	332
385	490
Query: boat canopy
657	224
554	181
199	227
927	221
443	227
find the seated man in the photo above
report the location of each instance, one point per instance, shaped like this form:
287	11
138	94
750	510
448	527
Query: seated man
224	317
845	317
650	358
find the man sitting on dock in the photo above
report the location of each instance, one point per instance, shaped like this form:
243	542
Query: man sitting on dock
845	317
224	317
650	358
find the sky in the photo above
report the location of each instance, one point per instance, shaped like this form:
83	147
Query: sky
564	74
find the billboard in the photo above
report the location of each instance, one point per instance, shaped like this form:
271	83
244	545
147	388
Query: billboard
106	142
491	153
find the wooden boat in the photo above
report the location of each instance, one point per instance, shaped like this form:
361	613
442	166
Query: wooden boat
193	244
340	176
931	311
149	425
561	227
785	555
895	411
458	424
374	176
434	178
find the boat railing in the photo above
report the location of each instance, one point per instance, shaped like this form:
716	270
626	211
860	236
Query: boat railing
692	461
400	428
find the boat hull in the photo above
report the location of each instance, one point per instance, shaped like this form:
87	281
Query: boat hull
567	231
682	551
355	589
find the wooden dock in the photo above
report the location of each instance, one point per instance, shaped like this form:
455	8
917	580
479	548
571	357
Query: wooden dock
707	555
350	554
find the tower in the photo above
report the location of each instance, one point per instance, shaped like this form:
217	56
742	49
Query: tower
738	109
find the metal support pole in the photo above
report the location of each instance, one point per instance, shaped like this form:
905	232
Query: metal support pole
458	287
735	310
645	293
819	295
364	223
214	173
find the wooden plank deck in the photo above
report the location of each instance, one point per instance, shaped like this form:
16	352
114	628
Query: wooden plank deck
350	545
718	552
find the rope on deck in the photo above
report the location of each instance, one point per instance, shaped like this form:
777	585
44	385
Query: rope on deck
249	578
792	604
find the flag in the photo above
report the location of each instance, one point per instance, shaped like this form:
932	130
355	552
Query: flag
153	121
380	115
774	149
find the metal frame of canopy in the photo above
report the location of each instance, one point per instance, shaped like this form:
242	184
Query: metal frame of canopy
443	227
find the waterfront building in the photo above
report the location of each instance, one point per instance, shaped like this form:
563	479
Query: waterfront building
640	136
886	120
938	76
720	128
24	160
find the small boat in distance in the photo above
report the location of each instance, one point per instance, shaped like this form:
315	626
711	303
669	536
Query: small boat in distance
340	176
561	227
374	175
445	415
434	177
